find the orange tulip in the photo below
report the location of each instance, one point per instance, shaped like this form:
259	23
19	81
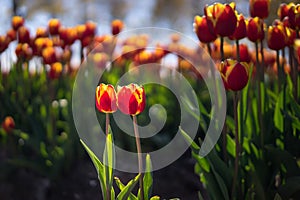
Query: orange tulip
131	99
3	43
49	55
116	26
17	22
55	70
106	100
8	124
221	18
202	30
54	26
23	35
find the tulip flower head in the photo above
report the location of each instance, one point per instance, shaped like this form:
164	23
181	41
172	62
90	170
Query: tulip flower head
221	18
277	38
116	26
294	16
106	100
259	8
131	99
241	29
255	29
17	22
8	124
235	74
202	30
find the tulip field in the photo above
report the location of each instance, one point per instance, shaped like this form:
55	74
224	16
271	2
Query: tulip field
226	104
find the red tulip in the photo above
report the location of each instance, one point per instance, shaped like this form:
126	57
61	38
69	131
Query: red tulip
235	74
131	99
8	124
283	10
255	29
116	26
202	30
294	16
259	8
54	26
23	35
17	22
41	33
4	42
276	37
24	51
49	55
106	100
221	18
11	34
55	70
240	30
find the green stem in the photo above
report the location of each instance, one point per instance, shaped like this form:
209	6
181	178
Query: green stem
262	61
238	51
139	151
222	48
278	71
237	145
108	196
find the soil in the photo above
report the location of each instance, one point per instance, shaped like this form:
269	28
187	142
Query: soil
174	181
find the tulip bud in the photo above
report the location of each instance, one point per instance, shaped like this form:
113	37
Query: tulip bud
49	55
3	43
240	30
276	37
131	99
255	29
17	22
23	35
221	18
202	30
54	26
259	8
55	70
8	124
235	74
116	26
106	100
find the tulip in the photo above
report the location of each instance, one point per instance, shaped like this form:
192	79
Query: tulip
240	30
221	18
3	43
8	124
202	30
283	10
23	35
131	99
106	100
277	38
294	16
54	26
100	60
17	22
55	70
24	51
259	8
116	26
49	55
41	33
243	52
235	74
11	35
255	29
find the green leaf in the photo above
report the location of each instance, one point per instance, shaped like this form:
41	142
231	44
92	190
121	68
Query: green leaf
99	167
278	117
126	191
194	146
230	145
202	162
122	186
108	160
148	180
155	198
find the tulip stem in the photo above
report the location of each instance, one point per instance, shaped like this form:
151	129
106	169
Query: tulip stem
222	48
139	151
106	133
208	48
238	51
262	78
278	70
259	103
237	144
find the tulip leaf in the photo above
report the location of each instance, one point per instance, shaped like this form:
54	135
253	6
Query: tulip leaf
194	146
155	198
108	160
278	117
99	167
126	191
122	186
148	180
